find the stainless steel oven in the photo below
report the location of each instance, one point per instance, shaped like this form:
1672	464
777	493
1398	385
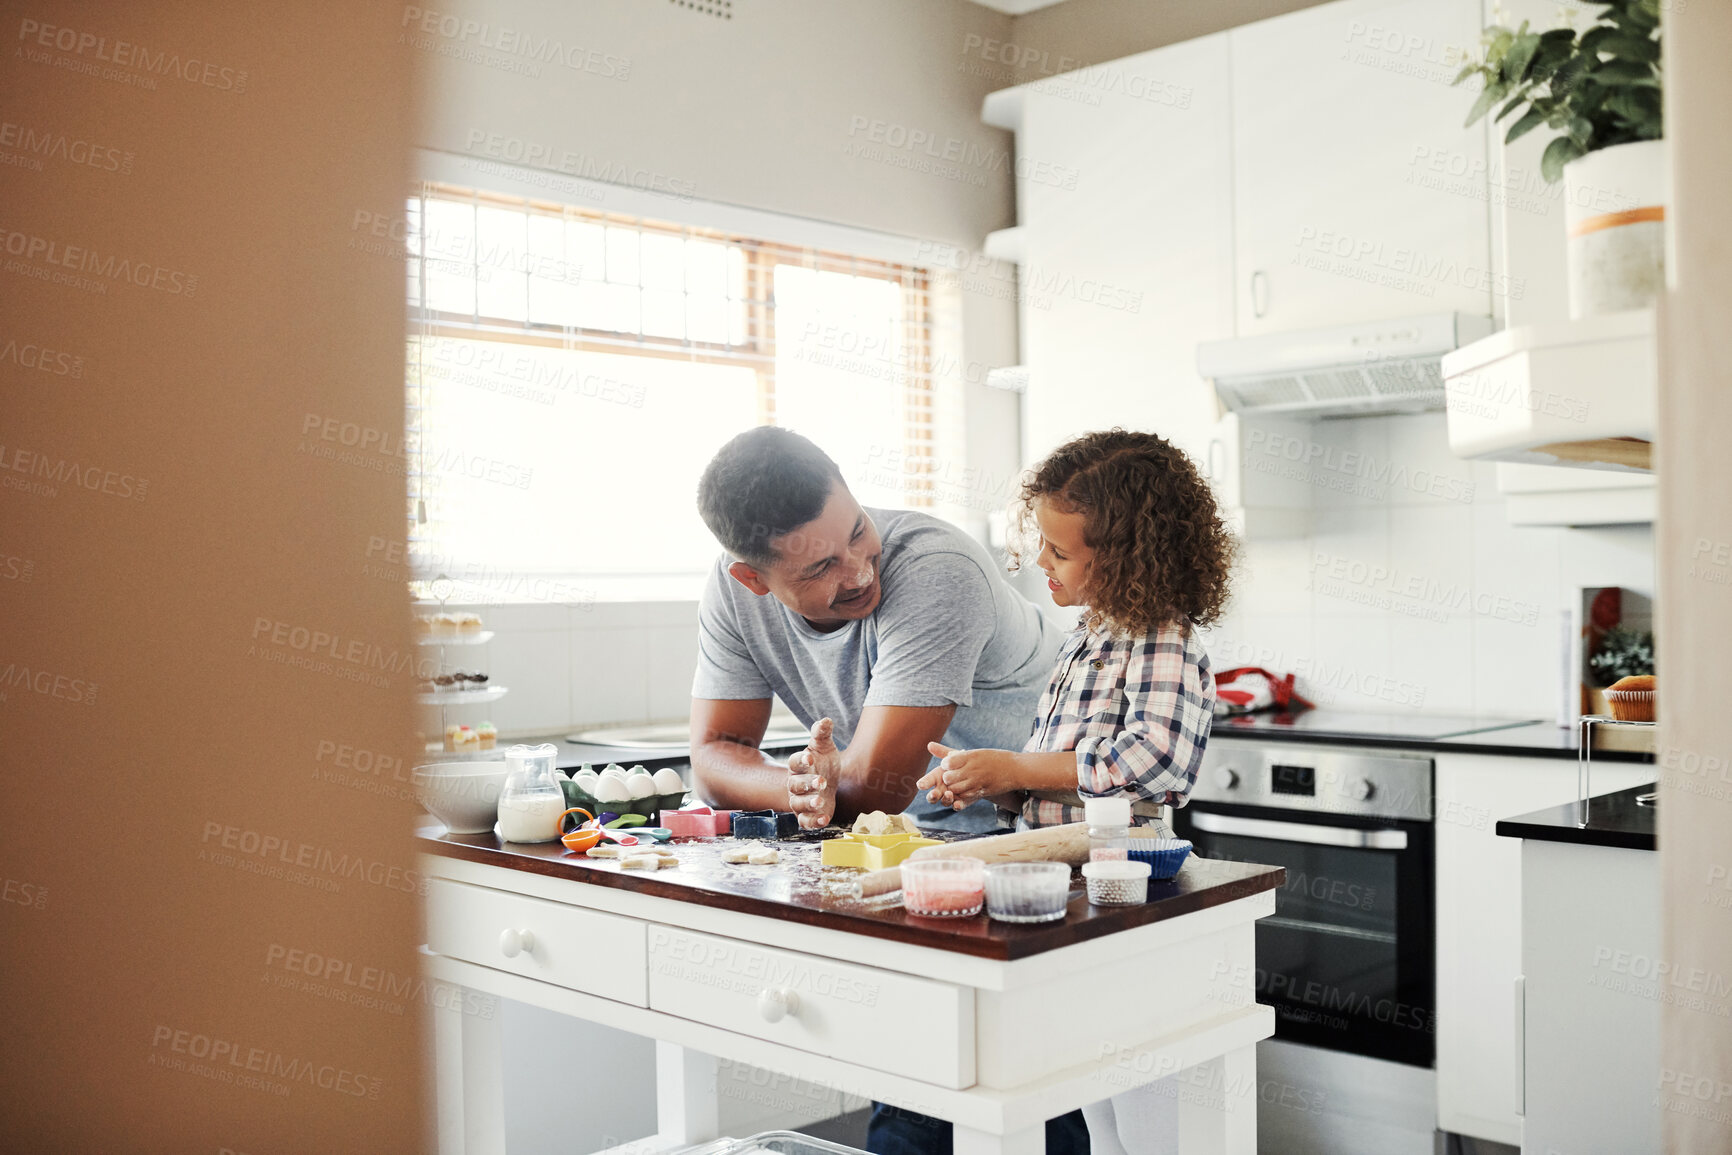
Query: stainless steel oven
1346	960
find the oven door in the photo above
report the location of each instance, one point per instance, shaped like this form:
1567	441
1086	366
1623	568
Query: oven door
1346	959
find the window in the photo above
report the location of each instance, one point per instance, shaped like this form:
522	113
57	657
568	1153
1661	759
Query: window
570	373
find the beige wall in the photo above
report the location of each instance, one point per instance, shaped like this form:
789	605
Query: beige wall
1053	39
1694	555
158	506
800	108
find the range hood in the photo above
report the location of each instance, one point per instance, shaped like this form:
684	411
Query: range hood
1375	367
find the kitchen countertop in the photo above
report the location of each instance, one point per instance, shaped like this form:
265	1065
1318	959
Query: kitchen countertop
1613	820
797	890
574	754
1521	737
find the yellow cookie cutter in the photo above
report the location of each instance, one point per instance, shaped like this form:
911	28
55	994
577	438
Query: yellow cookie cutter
872	851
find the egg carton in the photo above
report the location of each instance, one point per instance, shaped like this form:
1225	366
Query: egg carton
649	806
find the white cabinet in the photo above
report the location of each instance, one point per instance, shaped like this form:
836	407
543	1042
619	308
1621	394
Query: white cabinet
1479	919
1357	193
1124	202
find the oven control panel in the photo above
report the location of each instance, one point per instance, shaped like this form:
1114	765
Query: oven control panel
1318	778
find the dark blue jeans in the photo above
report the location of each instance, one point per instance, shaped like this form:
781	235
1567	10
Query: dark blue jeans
893	1131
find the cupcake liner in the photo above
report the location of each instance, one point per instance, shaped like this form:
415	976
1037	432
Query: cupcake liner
1164	855
1631	705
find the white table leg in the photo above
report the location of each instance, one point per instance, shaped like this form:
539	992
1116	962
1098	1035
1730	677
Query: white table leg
469	1085
1028	1141
1218	1105
687	1099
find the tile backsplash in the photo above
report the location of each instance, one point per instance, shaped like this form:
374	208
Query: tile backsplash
1412	592
583	665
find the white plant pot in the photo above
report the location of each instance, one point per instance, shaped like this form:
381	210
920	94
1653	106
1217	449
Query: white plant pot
1615	221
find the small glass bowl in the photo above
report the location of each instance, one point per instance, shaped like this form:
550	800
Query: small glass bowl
1027	891
1117	883
943	887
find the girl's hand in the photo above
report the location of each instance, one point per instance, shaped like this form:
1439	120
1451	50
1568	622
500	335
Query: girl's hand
964	776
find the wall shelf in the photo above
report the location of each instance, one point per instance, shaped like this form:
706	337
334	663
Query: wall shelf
1576	394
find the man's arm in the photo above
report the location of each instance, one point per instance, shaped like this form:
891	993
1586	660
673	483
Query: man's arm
879	771
728	769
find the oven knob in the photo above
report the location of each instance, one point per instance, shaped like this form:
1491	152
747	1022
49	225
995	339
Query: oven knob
1360	789
1226	777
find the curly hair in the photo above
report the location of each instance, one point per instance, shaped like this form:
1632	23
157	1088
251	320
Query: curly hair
1162	554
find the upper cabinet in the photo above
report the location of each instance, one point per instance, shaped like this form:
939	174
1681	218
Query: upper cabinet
1357	193
1124	238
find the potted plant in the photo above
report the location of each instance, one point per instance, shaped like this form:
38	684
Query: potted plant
1600	90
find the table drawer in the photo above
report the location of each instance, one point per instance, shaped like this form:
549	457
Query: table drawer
585	950
881	1019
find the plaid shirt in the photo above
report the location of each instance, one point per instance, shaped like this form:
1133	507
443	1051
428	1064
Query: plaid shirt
1137	711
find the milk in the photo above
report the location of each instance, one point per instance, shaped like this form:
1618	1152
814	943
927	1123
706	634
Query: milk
530	817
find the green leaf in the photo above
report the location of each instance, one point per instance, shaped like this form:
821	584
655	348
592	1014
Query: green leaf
1490	96
1625	72
1467	70
1557	154
1632	48
1521	54
1514	103
1525	125
1581	131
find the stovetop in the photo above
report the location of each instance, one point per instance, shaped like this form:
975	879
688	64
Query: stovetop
1322	723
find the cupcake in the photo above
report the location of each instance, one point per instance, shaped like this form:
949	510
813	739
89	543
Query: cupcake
468	739
423	626
452	733
468	623
444	625
487	734
1632	699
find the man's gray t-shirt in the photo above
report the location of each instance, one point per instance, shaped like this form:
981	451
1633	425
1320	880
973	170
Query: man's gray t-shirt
948	630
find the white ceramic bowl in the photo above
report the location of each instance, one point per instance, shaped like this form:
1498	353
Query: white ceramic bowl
462	795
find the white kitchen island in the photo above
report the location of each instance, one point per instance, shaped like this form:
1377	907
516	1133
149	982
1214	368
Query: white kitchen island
994	1027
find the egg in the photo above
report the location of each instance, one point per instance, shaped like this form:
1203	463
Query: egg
668	781
614	771
641	783
587	780
612	789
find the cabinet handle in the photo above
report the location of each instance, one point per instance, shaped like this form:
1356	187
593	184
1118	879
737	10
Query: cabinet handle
775	1004
1217	453
511	942
1259	293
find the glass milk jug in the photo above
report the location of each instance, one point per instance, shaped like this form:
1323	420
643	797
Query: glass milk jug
532	801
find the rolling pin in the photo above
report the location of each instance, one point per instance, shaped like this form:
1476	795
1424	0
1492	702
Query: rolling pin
1067	843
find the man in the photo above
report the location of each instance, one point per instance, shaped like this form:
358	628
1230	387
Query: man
882	630
895	626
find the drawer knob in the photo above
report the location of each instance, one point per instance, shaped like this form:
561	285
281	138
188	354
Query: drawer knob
513	941
776	1003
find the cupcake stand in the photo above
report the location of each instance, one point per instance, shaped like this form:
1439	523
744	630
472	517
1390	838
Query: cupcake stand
445	699
1585	759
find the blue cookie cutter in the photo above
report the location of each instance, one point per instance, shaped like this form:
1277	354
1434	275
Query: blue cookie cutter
765	824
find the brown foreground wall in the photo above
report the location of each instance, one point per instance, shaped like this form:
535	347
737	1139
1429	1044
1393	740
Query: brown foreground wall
206	938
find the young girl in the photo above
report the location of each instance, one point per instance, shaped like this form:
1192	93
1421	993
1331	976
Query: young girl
1129	529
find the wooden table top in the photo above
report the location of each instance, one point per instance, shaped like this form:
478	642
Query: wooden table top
800	889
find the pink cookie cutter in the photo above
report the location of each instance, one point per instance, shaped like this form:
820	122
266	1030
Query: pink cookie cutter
698	822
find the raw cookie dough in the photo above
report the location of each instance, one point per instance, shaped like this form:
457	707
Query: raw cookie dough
606	850
641	862
763	856
663	861
879	822
737	855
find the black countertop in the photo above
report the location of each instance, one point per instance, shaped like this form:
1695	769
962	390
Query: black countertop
1460	734
1614	819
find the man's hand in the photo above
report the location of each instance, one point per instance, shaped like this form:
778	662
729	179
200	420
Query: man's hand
965	776
813	775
